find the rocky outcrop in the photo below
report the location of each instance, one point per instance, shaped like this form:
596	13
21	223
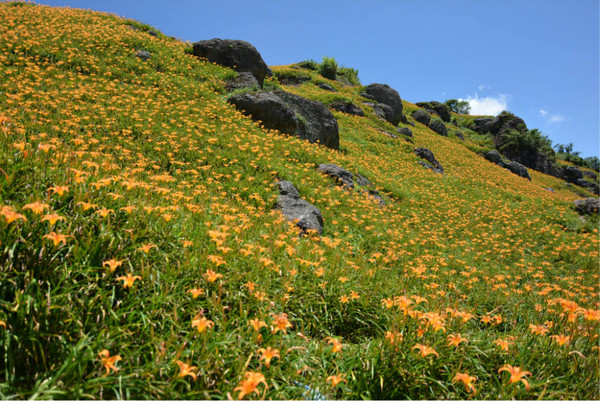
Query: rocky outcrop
326	87
440	109
514	167
236	54
143	55
342	176
422	117
243	80
291	114
587	206
387	96
428	155
482	124
518	169
347	107
307	216
438	127
572	174
405	131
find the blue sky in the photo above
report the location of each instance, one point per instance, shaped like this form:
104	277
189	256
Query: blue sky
538	59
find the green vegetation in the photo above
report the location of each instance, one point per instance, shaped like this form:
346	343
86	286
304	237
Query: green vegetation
141	258
566	152
458	106
328	68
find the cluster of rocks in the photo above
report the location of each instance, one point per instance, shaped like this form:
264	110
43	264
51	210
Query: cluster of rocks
306	216
521	157
438	108
423	117
345	178
428	155
574	175
388	104
536	159
587	206
513	166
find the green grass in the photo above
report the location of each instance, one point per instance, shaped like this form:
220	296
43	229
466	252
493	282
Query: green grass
154	159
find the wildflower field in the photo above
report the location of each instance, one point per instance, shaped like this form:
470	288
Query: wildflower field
140	255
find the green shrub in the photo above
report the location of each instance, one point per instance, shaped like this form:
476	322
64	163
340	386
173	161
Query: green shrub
328	68
458	106
309	64
349	75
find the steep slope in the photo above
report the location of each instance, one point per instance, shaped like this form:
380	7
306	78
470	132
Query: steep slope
137	221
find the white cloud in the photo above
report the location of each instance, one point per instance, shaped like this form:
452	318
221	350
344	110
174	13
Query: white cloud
483	87
488	106
552	118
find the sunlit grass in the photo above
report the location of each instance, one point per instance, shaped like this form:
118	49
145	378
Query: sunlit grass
141	258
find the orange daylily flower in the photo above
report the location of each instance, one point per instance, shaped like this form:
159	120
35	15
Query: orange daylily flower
10	215
146	247
186	370
337	344
267	354
112	264
109	361
86	206
466	380
53	218
212	276
502	344
250	384
281	323
561	340
201	323
36	207
516	374
257	324
425	350
56	238
129	280
336	379
58	189
196	292
456	339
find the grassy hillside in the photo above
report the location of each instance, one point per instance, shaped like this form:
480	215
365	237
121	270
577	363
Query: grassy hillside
140	256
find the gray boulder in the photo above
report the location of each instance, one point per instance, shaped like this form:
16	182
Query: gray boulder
590	174
405	131
306	216
243	80
495	157
342	176
143	55
291	114
428	155
326	87
385	95
482	124
438	127
587	206
422	116
443	111
236	54
518	169
572	174
347	107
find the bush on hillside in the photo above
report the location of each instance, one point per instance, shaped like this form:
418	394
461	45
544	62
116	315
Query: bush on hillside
328	68
458	106
531	141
